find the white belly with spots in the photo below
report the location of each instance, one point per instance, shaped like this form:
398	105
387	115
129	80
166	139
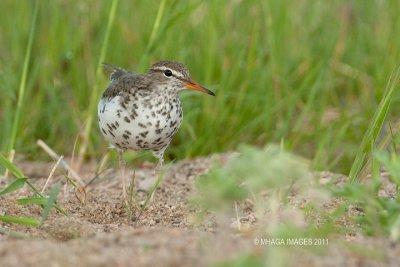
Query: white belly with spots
139	127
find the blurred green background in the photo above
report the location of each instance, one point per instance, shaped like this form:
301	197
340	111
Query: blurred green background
306	74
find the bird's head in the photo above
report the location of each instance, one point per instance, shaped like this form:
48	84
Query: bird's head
176	76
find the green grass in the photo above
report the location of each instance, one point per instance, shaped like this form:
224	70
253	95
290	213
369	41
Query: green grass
370	137
46	202
22	86
309	74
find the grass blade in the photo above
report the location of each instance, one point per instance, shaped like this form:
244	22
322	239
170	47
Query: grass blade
14	186
32	201
51	200
22	86
150	196
27	221
374	127
156	25
11	167
153	35
95	92
41	195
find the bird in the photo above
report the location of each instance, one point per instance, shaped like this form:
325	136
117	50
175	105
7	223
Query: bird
143	112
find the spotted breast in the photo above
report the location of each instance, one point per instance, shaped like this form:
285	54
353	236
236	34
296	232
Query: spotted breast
139	114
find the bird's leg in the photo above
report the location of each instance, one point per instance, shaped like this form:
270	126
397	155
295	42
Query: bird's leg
160	156
122	167
157	173
159	166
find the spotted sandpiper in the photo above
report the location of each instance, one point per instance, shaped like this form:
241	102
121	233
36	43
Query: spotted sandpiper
143	111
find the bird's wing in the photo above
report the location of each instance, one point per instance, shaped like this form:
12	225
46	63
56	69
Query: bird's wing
124	83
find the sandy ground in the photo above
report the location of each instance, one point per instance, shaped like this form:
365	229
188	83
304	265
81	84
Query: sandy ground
100	232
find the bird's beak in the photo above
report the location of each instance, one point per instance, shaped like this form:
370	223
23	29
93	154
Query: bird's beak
197	87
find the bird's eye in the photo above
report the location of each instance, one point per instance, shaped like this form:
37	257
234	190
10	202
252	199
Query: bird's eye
168	72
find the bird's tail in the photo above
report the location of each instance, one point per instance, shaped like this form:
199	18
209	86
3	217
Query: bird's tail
114	71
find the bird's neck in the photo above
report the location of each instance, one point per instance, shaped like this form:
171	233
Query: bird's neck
166	90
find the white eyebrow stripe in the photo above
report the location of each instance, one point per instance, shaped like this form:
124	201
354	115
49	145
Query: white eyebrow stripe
174	72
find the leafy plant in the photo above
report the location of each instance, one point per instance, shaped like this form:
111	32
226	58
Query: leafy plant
14	186
46	202
27	221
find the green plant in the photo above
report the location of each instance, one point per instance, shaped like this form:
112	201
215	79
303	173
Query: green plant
378	212
22	86
375	126
46	202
